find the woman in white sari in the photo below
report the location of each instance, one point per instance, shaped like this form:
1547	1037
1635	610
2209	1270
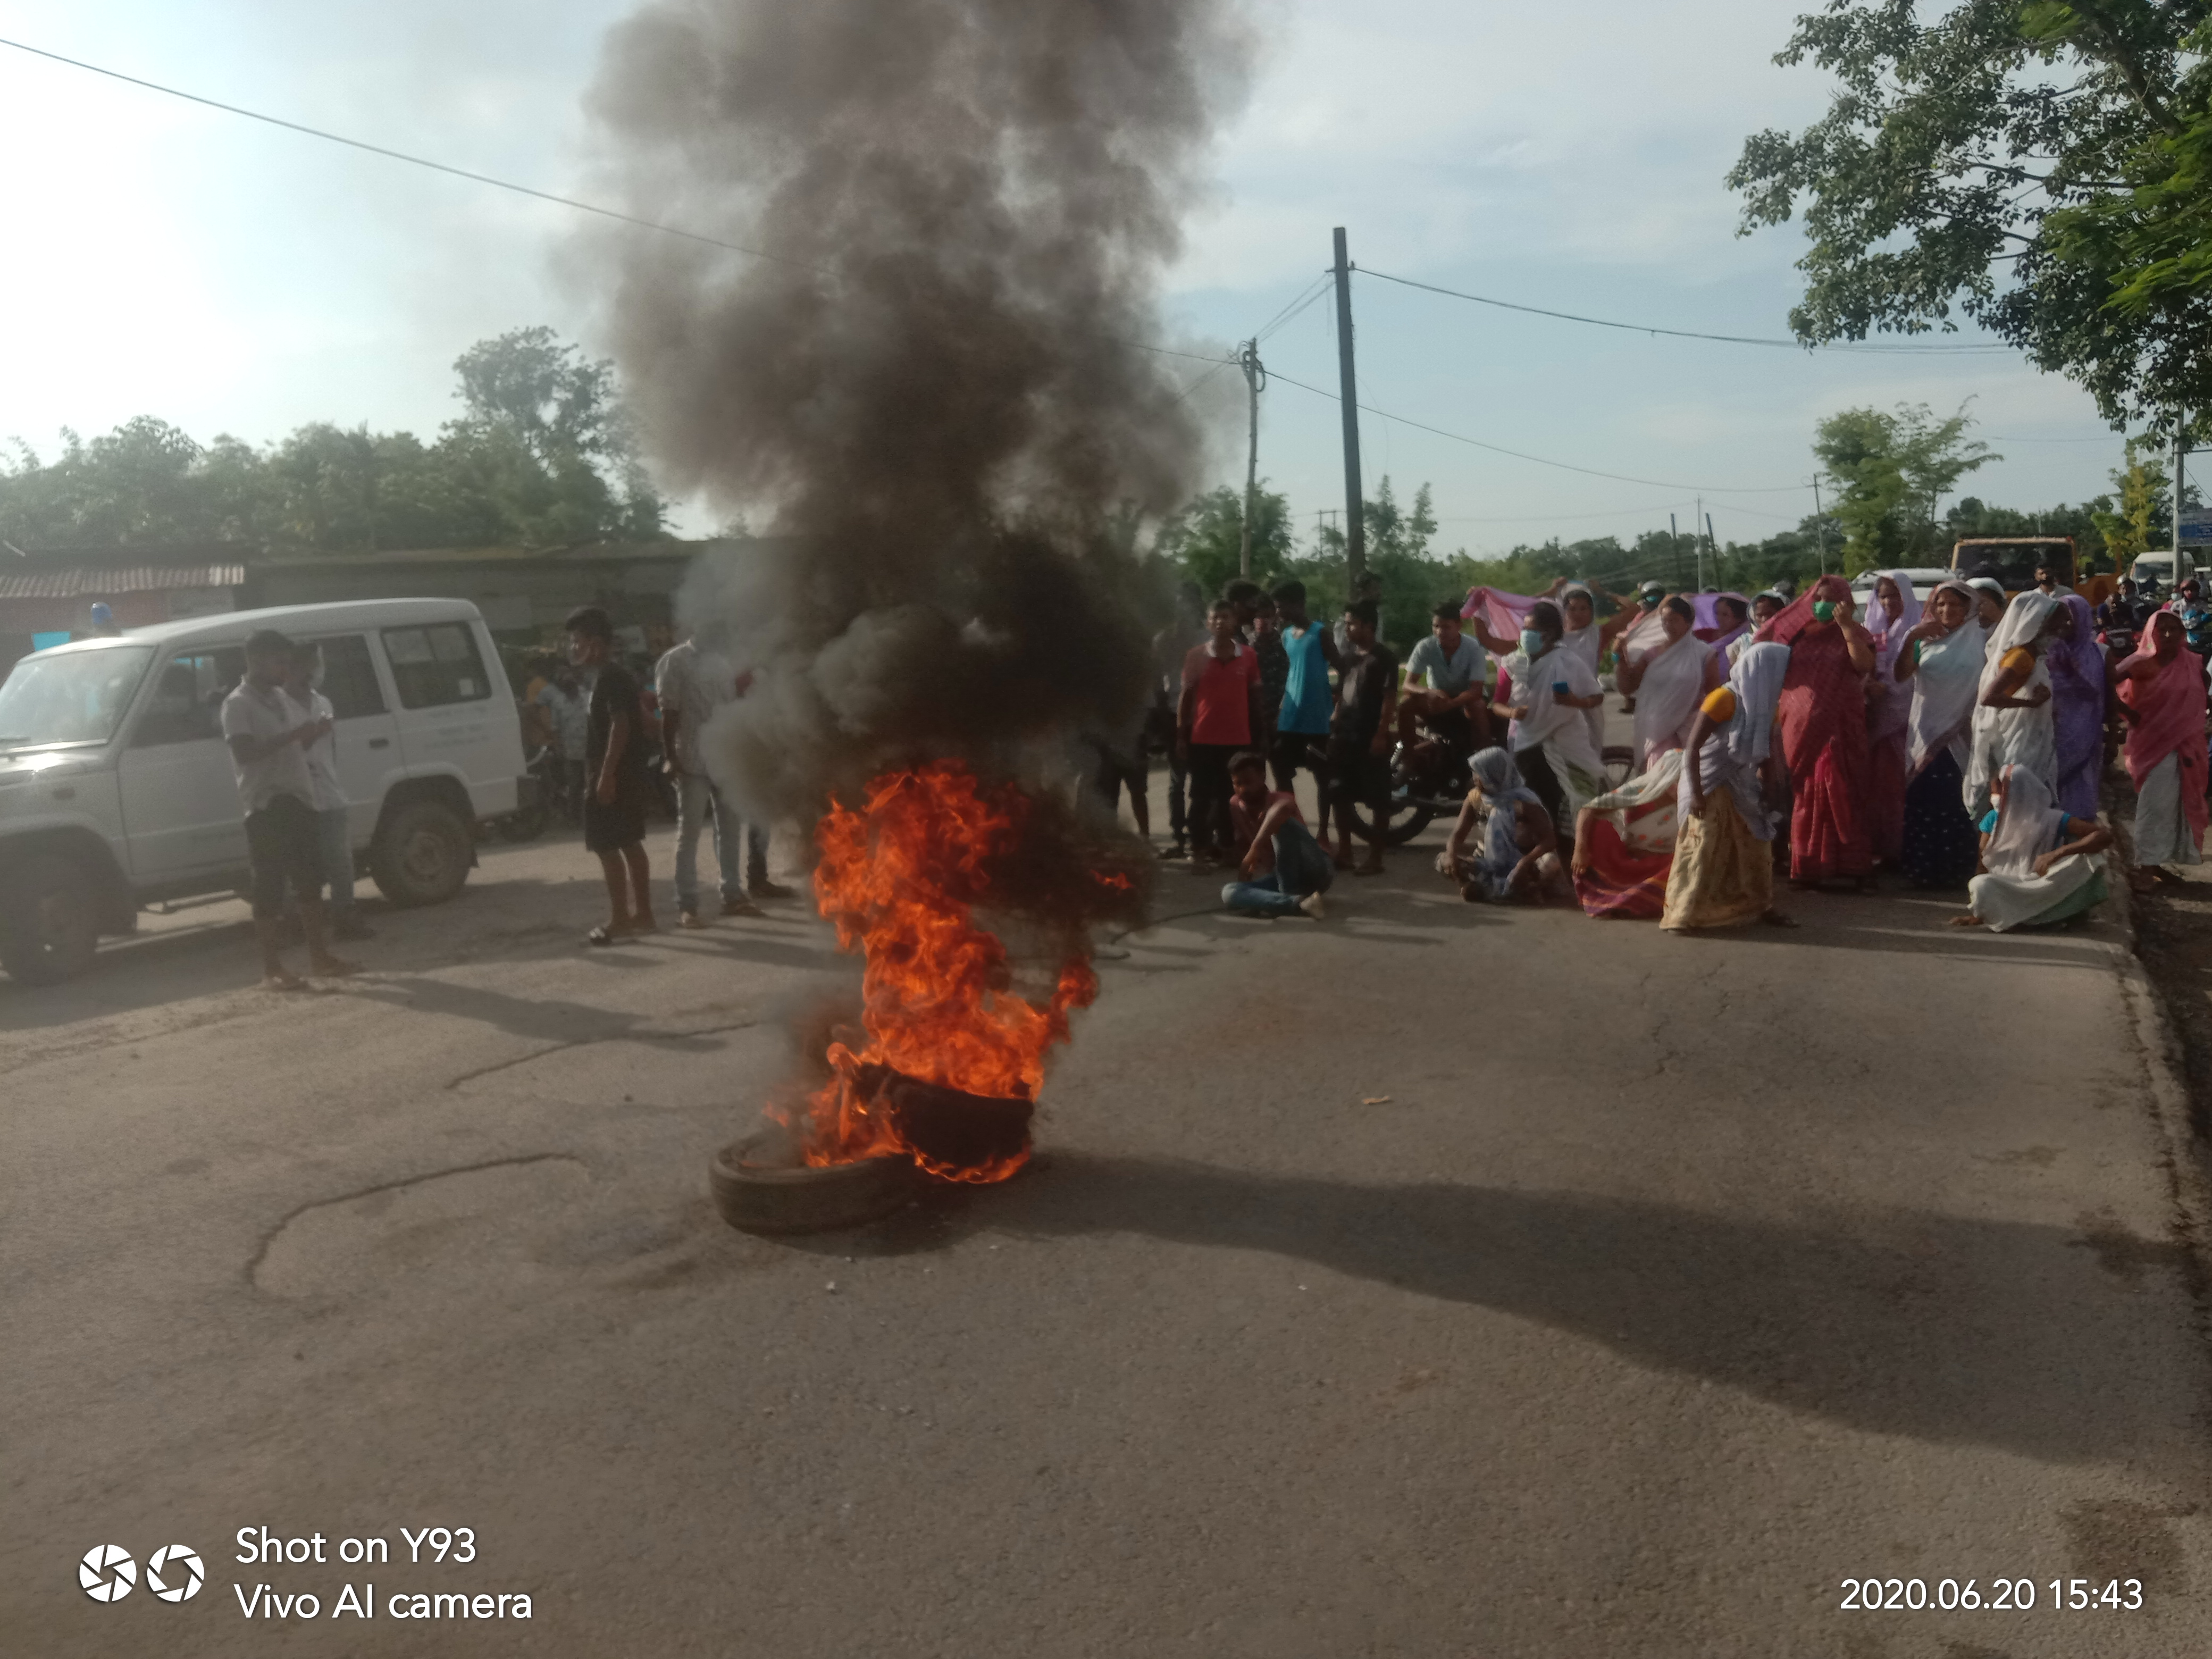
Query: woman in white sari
1723	870
1552	688
1938	669
1667	680
2045	866
1588	639
2012	718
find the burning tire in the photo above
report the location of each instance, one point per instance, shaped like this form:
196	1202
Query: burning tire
758	1196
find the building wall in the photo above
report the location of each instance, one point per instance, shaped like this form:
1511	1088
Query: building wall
22	619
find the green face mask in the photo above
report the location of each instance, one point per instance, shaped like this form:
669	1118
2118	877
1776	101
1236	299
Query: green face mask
1824	611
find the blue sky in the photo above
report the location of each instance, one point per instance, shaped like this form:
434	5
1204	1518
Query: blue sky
228	276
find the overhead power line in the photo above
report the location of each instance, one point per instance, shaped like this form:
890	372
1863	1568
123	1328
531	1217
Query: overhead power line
412	160
1540	460
473	176
1677	333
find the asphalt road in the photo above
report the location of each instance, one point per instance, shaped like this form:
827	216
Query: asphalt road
1434	1279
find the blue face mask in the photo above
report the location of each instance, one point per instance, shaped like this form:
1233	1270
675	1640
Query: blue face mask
1532	643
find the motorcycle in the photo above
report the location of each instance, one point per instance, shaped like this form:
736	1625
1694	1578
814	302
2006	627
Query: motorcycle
1430	779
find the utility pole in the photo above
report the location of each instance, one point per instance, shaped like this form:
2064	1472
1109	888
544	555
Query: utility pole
1248	359
1713	542
1699	534
1675	550
2180	460
1820	524
1355	535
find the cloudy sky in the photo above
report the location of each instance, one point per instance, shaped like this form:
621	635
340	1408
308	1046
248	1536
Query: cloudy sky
168	260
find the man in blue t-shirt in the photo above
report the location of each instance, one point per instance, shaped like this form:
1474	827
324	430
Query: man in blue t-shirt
1302	724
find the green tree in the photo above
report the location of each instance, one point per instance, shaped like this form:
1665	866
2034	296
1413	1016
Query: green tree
1206	540
2039	166
2141	518
542	456
1891	469
1414	579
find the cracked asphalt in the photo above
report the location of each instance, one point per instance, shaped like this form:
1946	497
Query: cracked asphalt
1432	1280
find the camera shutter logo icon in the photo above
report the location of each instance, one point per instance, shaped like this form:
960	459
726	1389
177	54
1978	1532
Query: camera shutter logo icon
107	1572
183	1570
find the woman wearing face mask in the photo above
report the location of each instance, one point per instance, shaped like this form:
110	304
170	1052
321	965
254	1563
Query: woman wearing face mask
2043	865
1821	717
1890	621
1938	669
2162	700
2012	718
2079	699
1723	869
1552	687
1667	681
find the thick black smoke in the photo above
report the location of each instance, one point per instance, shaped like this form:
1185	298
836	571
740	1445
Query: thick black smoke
924	402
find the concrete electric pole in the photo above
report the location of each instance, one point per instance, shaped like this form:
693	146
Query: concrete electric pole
1255	376
1355	535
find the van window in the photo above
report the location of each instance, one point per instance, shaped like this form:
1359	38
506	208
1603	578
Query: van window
187	705
349	677
436	664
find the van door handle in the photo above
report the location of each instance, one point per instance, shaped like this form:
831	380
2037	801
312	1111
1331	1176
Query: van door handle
380	743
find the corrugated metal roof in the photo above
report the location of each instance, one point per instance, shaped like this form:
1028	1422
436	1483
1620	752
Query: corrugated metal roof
102	583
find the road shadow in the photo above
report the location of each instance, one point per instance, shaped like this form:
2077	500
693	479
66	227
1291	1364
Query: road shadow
542	1019
1940	1328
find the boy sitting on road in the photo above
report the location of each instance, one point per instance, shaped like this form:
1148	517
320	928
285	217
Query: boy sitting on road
1281	869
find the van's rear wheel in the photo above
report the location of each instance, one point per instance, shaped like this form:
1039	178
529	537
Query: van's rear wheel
421	854
49	921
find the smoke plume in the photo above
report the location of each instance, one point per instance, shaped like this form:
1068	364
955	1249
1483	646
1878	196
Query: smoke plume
925	400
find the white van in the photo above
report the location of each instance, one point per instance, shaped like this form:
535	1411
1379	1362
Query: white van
116	788
2160	568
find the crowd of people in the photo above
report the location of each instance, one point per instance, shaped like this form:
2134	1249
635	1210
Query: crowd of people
620	747
1960	743
634	745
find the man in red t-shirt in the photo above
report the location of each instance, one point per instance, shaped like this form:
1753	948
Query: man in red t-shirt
1216	715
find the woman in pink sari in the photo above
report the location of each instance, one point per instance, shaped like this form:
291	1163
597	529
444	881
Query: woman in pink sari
1821	718
2162	700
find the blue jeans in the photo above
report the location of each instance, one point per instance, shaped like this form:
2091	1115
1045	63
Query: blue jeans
335	836
695	796
1301	867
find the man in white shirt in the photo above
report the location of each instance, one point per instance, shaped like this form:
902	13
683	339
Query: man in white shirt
269	735
690	684
333	817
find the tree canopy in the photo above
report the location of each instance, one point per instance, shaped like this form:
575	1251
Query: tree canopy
2044	167
542	455
1891	469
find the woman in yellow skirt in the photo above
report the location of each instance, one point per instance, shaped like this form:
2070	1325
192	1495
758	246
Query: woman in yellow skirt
1723	873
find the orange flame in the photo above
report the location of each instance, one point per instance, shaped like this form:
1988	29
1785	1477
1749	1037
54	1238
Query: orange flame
899	878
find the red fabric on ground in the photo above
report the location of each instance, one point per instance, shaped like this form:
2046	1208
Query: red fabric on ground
1626	885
